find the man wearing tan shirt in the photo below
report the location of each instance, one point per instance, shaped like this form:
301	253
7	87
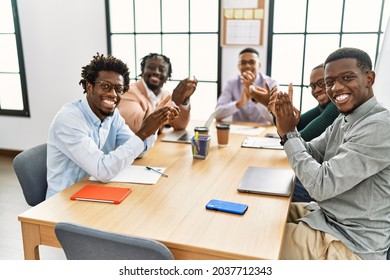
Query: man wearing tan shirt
147	94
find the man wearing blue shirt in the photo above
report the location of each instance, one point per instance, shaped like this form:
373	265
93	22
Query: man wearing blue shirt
89	137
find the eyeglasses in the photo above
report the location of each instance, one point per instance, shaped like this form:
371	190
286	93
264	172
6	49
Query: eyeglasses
320	83
251	62
343	79
106	86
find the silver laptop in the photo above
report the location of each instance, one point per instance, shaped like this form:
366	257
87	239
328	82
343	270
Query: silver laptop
184	136
271	181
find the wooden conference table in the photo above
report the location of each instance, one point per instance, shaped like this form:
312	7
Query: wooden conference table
173	210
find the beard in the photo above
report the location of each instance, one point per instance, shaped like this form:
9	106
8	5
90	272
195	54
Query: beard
107	113
153	87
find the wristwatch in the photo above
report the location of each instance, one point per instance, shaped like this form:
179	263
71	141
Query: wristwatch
289	135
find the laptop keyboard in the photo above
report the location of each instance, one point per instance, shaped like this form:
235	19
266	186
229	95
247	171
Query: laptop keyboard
184	137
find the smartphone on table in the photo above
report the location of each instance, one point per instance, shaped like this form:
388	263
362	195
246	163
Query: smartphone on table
227	206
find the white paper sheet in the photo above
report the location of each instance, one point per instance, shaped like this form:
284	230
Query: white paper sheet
243	32
137	174
234	4
245	130
262	143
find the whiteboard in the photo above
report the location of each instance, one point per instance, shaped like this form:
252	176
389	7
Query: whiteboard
381	85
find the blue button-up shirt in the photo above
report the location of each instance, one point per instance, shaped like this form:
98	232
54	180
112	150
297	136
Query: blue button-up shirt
79	144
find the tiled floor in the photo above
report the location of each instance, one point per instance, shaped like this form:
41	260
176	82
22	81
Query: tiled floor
12	204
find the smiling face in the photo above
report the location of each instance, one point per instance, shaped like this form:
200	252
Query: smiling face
318	86
155	73
346	85
103	103
249	61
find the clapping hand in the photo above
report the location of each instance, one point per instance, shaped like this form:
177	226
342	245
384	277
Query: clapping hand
167	102
261	95
287	116
184	90
155	120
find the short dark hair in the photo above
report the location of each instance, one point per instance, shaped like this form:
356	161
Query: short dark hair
362	58
99	63
155	55
318	66
250	50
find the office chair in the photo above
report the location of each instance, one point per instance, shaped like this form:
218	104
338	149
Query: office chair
30	168
84	243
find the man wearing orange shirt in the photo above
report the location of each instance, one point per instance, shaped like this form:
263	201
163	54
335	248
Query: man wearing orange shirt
147	94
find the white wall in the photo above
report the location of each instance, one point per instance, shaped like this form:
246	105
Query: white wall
58	37
381	85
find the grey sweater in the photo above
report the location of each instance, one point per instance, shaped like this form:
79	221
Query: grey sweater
347	171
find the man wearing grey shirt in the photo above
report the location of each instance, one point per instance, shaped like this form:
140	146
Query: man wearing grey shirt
346	169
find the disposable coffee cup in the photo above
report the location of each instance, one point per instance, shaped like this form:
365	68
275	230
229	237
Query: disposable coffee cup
223	131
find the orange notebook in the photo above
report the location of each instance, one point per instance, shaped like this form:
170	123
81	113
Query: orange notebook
100	193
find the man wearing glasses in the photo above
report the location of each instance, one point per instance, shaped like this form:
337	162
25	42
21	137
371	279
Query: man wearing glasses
346	169
89	137
235	102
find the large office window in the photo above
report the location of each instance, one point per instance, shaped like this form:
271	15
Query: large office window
13	93
186	31
303	32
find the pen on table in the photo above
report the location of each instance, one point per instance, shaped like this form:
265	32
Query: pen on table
155	170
